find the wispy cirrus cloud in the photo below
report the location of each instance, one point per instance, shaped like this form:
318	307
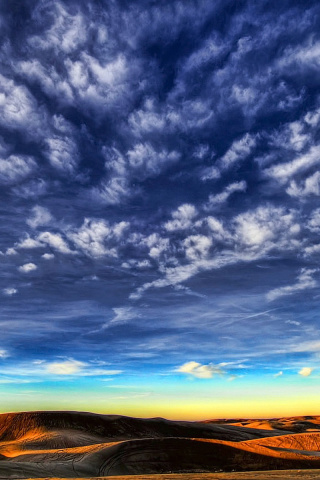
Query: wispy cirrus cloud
305	281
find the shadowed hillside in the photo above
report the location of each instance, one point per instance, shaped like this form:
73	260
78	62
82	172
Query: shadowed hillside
79	445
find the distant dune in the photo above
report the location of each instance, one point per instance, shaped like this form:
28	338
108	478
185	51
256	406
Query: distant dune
86	445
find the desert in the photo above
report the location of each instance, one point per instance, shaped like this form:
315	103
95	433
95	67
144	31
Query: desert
48	444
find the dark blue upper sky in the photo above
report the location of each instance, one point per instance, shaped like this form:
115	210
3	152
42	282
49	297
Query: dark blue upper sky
159	185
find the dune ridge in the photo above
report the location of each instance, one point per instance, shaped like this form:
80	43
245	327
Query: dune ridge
84	445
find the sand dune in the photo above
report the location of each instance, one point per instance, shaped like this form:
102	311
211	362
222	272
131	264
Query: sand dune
84	445
269	475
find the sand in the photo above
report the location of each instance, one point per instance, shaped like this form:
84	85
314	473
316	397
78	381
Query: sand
271	475
84	445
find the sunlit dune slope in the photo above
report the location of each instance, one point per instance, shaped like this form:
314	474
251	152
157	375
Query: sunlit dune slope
146	456
79	445
289	424
92	428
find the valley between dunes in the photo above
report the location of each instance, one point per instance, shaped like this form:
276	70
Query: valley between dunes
70	445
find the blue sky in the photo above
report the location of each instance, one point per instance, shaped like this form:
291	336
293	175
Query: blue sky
159	174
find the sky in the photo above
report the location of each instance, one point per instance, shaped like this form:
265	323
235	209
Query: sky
160	216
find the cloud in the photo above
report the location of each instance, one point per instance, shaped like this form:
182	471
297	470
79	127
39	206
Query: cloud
210	173
55	241
182	218
48	256
77	368
16	168
28	267
32	188
313	223
197	247
266	227
305	281
250	236
239	150
305	371
123	315
10	291
293	322
11	251
19	110
3	353
284	171
40	217
68	367
279	374
197	370
97	238
145	161
220	198
62	153
309	186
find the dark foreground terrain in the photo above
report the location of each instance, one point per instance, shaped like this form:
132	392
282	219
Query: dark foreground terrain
269	475
84	445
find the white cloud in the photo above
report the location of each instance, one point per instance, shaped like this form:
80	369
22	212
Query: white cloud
217	229
250	236
48	256
197	247
267	227
68	367
66	33
195	369
284	171
27	267
32	188
220	198
123	315
239	150
19	110
303	57
11	251
3	353
182	218
292	136
62	153
279	374
55	241
16	168
77	368
40	216
10	291
112	191
148	162
157	244
309	186
210	173
305	281
97	238
305	371
293	322
210	50
312	346
314	221
28	242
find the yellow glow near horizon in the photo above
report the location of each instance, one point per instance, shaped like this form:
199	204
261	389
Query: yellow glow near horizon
187	409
